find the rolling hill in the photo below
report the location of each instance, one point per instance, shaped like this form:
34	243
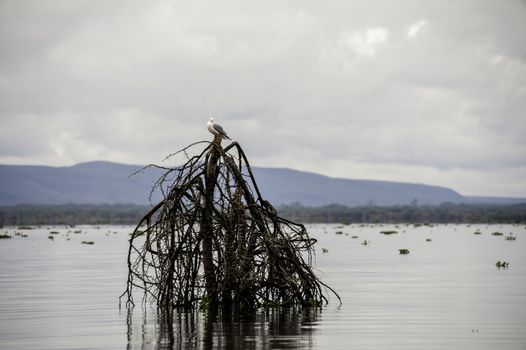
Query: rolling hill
102	182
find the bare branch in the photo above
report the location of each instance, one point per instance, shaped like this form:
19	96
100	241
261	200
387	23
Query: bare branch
213	239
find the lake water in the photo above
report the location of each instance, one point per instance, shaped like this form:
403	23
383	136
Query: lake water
446	293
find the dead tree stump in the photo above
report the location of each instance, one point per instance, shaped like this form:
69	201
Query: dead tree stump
214	241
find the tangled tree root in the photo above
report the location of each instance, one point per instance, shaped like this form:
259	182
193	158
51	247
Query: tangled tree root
213	240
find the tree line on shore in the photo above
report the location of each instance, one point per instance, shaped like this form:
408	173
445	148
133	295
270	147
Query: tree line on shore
124	214
444	213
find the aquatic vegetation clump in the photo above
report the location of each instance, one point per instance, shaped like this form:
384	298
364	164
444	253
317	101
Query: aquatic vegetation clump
88	242
389	232
497	233
5	236
403	251
502	264
213	240
510	237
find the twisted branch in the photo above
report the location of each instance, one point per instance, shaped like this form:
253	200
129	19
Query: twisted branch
214	240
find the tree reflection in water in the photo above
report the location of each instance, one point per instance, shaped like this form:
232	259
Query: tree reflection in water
283	328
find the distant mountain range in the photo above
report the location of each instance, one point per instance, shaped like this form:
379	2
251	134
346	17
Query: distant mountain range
109	183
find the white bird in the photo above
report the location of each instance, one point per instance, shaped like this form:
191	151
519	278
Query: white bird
216	129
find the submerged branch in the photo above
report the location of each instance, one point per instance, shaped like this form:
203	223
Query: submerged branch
213	239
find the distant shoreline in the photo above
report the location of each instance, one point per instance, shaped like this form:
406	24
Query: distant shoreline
129	214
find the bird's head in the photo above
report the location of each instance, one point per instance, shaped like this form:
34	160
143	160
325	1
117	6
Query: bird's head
211	119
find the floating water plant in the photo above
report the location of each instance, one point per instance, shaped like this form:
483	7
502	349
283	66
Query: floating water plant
477	232
403	251
324	250
339	232
88	242
388	232
497	233
51	238
510	237
25	228
365	242
428	239
502	264
77	231
54	233
5	236
354	236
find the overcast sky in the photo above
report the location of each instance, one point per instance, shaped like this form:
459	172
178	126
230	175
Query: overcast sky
415	91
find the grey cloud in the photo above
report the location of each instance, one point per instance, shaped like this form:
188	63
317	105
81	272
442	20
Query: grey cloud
335	88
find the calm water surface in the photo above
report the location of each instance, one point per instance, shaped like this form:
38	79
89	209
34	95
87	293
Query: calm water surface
446	293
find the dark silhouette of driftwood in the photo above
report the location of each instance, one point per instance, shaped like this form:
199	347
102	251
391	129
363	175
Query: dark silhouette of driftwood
213	241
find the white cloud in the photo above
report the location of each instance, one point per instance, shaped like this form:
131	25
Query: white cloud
366	42
416	28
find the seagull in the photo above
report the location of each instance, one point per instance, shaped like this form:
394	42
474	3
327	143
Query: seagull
216	129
